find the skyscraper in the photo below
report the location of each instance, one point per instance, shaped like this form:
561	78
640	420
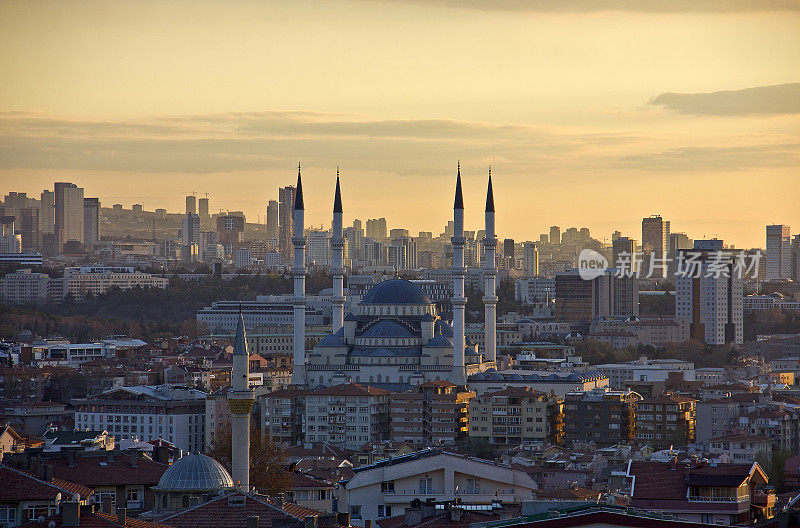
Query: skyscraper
376	228
31	238
778	263
711	297
191	205
68	213
91	223
47	213
272	220
623	251
509	261
285	207
555	235
530	259
203	210
655	247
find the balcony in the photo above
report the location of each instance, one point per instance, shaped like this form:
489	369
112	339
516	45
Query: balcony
703	498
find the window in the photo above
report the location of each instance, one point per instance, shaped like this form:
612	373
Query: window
34	512
355	511
426	485
384	511
7	514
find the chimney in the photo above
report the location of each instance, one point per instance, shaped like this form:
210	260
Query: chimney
279	501
343	519
413	516
135	458
70	513
71	458
252	521
122	516
310	521
47	473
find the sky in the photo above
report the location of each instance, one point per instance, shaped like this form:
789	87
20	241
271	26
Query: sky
589	116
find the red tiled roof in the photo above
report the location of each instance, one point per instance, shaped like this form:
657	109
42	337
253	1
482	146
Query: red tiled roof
98	520
22	486
667	398
297	480
100	471
659	481
218	513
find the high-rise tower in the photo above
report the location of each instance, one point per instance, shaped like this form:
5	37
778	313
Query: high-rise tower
459	301
240	401
337	254
299	273
490	277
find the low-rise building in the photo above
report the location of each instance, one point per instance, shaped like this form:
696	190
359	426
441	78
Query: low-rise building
515	416
146	412
387	487
740	448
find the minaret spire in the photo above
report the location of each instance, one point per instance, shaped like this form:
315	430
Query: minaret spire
337	264
298	193
299	299
459	300
240	401
490	278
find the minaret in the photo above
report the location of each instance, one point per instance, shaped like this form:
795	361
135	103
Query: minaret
240	401
490	278
459	301
299	273
337	253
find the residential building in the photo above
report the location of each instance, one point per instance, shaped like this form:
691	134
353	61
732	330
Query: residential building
173	413
555	235
623	255
347	415
285	207
778	262
230	229
10	240
516	416
714	418
24	287
740	448
601	416
655	248
387	487
431	413
724	494
530	259
710	294
25	497
69	221
282	414
535	290
781	426
81	280
580	300
666	420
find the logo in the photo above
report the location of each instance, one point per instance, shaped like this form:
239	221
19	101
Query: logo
591	264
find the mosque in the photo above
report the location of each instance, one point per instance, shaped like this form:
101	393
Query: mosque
395	338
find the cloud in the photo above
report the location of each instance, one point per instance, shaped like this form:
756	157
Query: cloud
716	158
654	6
775	99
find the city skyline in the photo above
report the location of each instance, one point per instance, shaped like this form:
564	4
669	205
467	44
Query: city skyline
679	110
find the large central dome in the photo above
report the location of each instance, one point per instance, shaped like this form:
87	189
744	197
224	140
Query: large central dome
395	291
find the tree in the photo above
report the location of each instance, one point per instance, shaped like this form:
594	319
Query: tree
267	460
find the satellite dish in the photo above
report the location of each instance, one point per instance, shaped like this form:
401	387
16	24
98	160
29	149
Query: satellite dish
76	497
51	524
40	519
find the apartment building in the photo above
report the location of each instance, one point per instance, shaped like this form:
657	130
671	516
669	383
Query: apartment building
347	415
602	416
432	413
515	416
282	415
668	420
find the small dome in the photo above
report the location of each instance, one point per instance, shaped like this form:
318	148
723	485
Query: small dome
395	291
387	328
195	472
440	341
331	340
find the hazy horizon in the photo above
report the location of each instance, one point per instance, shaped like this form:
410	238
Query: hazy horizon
590	118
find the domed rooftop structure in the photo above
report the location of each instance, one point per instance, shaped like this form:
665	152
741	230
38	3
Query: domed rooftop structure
395	291
387	328
195	472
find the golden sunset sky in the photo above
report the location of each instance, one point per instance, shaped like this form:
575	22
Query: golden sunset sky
685	108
